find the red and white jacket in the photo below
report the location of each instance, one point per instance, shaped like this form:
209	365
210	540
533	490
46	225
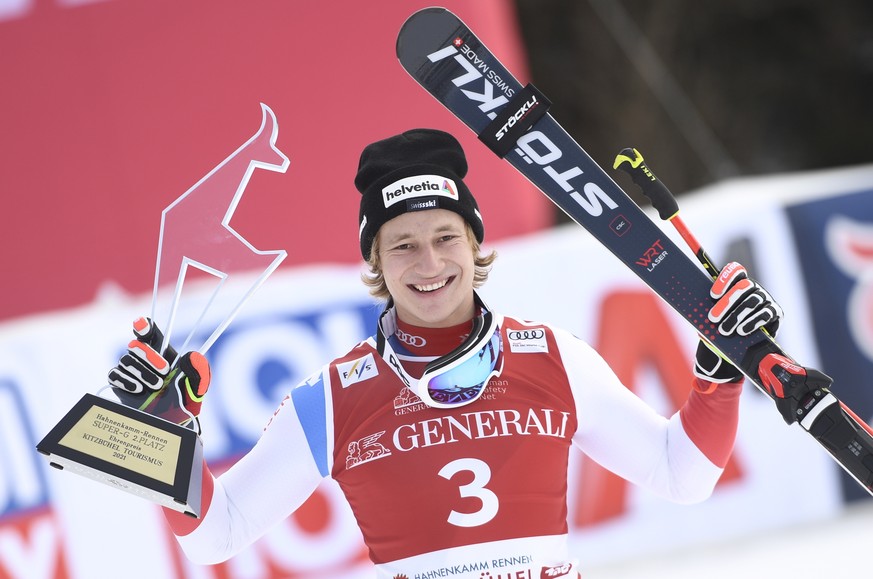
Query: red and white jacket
475	491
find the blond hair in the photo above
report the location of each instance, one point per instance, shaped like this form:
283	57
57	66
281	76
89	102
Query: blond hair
376	281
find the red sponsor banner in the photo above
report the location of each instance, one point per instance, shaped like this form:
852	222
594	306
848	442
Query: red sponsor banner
31	547
112	109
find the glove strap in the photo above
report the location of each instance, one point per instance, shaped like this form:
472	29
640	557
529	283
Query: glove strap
711	367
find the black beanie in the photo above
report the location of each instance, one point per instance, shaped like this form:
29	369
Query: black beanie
416	170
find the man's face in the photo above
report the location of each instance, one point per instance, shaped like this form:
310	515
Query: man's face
427	263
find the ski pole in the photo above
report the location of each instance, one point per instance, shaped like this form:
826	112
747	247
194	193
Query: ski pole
631	162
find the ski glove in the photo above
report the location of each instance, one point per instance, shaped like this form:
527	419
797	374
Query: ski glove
165	385
742	307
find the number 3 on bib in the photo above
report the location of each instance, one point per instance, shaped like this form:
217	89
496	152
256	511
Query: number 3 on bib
481	476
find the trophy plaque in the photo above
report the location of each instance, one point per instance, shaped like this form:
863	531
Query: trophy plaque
159	455
130	450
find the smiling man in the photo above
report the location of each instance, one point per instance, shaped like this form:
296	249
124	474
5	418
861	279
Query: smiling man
449	430
427	266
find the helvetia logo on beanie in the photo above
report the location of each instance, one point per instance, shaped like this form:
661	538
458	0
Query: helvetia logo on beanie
418	186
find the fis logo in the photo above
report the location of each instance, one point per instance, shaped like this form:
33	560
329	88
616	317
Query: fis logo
357	370
419	186
653	256
850	246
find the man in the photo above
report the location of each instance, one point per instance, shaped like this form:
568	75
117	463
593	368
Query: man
449	430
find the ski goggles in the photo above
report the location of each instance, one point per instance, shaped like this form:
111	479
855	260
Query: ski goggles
461	376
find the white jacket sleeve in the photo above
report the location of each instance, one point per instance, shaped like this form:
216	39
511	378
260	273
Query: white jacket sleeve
264	487
626	436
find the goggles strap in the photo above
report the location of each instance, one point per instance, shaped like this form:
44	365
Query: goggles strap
393	360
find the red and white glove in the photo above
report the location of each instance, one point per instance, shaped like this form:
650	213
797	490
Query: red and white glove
166	385
742	306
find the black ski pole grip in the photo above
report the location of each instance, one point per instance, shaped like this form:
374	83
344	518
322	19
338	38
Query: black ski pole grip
631	162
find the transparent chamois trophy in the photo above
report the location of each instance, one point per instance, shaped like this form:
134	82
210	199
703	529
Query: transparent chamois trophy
196	236
158	454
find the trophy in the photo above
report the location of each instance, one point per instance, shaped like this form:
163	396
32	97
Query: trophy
144	454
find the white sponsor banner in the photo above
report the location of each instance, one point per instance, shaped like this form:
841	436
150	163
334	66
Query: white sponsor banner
55	524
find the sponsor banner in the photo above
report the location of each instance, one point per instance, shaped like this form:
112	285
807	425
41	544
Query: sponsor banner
834	236
143	97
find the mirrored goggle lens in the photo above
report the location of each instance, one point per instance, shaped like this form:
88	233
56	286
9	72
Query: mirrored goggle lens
464	381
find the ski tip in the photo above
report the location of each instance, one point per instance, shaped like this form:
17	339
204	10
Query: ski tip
422	32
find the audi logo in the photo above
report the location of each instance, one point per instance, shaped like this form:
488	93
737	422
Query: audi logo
535	334
414	341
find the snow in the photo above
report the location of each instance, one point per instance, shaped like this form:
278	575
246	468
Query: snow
809	550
